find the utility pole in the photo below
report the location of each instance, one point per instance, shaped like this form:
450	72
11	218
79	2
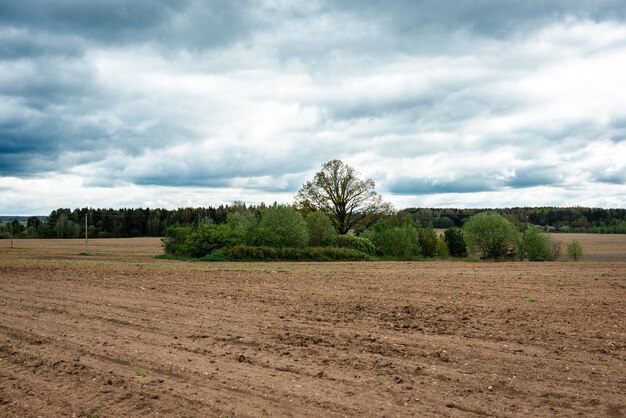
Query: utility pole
85	233
11	223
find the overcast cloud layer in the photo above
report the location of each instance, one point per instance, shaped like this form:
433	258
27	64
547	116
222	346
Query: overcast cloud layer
442	103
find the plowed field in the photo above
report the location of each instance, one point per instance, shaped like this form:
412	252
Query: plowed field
119	333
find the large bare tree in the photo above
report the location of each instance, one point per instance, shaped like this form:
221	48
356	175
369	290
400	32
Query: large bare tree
350	202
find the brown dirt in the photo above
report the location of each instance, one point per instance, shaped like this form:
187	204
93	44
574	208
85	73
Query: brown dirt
119	333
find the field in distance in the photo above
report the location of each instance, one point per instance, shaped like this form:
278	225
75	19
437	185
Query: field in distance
120	333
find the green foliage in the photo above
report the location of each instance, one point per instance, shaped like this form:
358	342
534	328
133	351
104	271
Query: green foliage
575	250
535	245
456	242
573	219
216	255
351	203
320	228
395	238
265	237
361	244
428	242
209	237
490	235
442	247
252	253
282	226
443	222
243	223
185	241
174	240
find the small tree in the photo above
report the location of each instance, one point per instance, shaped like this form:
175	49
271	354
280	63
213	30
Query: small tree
575	250
490	235
442	247
321	229
428	242
456	242
243	223
535	245
285	225
396	238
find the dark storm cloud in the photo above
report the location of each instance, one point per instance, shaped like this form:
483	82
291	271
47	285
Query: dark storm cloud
485	17
420	186
16	43
534	176
612	178
183	23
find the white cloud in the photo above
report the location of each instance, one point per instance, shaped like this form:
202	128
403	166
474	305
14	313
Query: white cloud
455	115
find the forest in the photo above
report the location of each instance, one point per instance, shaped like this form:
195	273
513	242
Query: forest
351	203
140	222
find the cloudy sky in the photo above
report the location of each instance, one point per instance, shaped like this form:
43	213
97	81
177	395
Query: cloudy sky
127	103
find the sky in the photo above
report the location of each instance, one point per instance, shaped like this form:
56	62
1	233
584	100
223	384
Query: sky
443	103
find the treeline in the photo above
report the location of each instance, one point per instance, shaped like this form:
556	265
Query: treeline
139	222
112	223
550	219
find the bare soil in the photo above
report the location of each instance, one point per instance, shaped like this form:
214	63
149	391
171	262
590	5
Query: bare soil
119	333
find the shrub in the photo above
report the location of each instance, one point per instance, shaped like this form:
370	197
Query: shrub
243	223
456	242
265	237
250	253
490	235
285	225
320	228
361	244
216	255
396	238
428	242
442	247
575	250
535	245
209	237
174	240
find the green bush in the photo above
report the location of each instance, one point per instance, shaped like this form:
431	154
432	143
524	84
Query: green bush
188	242
361	244
442	247
216	255
264	237
428	242
535	245
206	238
320	228
575	250
174	240
395	238
251	253
456	242
282	226
243	222
490	235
